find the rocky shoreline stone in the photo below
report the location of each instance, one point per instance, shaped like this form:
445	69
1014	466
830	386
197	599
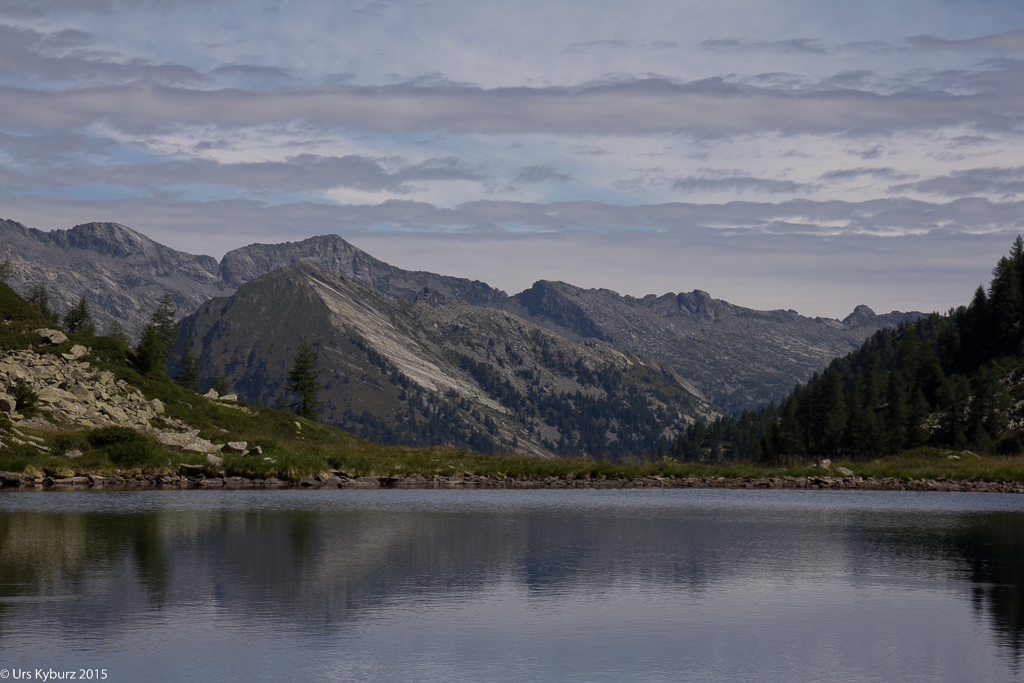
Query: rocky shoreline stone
198	477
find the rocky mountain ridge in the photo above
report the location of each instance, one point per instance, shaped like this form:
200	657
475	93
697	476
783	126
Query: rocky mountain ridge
435	370
740	357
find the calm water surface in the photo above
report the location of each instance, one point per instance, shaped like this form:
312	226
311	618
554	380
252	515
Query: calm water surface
584	585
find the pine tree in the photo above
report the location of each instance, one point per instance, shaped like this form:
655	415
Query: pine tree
78	319
304	381
163	320
116	330
219	382
149	353
6	270
187	373
39	299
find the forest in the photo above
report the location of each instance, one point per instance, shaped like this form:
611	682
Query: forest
945	380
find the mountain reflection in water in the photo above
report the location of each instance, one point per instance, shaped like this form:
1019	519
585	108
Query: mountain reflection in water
506	585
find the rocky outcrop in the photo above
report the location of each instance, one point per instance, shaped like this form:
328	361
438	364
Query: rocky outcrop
73	394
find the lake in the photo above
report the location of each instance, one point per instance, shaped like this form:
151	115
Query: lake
512	585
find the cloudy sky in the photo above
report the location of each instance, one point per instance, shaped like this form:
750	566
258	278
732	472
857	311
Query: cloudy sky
778	154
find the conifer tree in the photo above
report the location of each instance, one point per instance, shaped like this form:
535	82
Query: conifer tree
150	351
187	373
116	330
163	321
78	319
39	299
219	382
304	381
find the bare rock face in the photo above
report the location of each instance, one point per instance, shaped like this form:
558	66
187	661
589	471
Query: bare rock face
73	394
442	371
121	273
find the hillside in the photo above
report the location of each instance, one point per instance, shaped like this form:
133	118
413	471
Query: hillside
739	356
954	381
435	371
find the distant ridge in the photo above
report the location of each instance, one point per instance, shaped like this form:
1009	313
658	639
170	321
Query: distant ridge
739	357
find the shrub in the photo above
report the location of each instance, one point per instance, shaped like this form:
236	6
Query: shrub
122	445
26	398
105	436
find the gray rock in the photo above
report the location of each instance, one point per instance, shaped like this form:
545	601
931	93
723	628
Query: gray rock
77	351
197	445
7	403
212	393
174	440
214	460
52	336
158	406
234	447
73	453
845	472
229	397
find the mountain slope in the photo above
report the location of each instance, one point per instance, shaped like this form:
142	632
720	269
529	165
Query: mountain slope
439	371
332	253
739	356
121	272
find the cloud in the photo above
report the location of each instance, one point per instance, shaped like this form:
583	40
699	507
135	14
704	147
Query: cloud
596	45
1001	182
887	173
540	173
788	46
300	173
738	184
1007	41
68	55
706	108
249	72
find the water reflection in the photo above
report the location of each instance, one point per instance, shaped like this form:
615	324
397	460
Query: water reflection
319	566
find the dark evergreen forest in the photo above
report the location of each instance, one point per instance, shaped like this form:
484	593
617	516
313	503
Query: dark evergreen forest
945	380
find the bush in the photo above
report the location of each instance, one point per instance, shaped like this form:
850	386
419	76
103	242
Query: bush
67	441
122	445
105	436
26	398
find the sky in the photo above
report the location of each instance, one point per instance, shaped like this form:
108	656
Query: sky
806	155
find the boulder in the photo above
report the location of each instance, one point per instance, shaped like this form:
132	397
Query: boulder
197	445
77	351
174	440
214	460
7	403
212	393
229	397
53	395
157	405
52	336
191	470
845	472
235	447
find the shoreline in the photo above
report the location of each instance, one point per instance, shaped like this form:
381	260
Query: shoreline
12	481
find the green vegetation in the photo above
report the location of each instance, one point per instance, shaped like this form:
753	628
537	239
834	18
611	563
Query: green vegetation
304	382
78	319
943	381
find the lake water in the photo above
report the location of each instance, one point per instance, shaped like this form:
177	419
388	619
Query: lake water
491	585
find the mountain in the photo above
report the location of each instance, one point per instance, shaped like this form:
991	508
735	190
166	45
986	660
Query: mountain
739	356
121	272
435	371
332	253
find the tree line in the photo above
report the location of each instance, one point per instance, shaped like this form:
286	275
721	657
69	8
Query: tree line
943	380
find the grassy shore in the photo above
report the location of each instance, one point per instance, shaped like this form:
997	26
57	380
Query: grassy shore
294	448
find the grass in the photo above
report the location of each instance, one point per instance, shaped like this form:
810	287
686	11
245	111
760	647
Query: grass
294	448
